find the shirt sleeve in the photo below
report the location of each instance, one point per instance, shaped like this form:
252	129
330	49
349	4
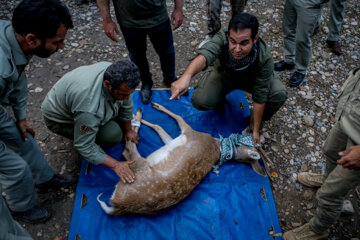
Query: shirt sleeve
263	77
18	97
212	49
86	127
125	113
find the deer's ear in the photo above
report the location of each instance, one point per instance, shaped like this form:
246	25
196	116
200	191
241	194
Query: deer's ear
257	168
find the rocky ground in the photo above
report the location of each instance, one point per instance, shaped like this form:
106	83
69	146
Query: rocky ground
293	138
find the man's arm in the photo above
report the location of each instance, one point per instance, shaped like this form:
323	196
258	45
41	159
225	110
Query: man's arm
121	169
258	115
109	25
130	134
18	99
85	129
177	16
180	86
350	158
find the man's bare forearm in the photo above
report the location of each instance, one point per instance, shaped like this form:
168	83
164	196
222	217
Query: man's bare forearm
104	6
259	109
178	5
196	66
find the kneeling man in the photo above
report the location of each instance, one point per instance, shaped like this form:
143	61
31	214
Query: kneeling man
92	105
241	60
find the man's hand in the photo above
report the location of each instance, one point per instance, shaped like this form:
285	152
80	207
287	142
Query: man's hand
177	18
350	158
179	87
123	171
131	135
110	29
24	126
256	139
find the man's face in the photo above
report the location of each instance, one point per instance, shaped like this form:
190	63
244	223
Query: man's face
51	45
123	93
241	43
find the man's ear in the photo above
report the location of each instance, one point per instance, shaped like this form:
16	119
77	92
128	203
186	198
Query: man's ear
108	85
256	38
32	41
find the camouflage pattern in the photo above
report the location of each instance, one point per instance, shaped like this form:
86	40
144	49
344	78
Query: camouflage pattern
214	10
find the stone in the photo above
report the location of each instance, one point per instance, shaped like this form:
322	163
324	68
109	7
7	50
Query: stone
318	103
309	121
304	167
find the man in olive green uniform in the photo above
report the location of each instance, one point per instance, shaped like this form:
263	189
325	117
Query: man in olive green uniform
342	152
299	21
213	14
90	105
241	60
137	20
37	28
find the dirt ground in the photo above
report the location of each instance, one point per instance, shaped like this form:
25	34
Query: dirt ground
291	141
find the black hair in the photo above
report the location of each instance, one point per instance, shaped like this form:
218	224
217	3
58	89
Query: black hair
41	18
122	72
243	21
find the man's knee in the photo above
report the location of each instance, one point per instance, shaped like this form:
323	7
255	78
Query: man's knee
202	102
274	103
109	135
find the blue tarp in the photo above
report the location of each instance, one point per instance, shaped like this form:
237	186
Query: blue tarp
237	204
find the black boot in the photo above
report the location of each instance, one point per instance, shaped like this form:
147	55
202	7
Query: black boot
282	65
296	79
145	92
34	215
56	182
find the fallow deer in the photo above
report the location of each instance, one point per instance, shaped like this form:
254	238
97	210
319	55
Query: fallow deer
170	173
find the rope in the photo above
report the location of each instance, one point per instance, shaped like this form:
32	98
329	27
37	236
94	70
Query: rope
228	148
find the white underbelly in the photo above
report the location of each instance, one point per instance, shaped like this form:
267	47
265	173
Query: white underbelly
165	151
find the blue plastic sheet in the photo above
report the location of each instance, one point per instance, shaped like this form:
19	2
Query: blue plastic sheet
236	204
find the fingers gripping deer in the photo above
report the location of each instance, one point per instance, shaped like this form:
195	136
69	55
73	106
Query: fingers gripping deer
169	174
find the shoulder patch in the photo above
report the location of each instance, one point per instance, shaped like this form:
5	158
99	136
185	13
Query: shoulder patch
84	129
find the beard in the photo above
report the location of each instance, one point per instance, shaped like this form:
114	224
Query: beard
42	52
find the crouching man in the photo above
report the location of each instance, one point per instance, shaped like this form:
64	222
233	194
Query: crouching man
342	174
241	60
92	105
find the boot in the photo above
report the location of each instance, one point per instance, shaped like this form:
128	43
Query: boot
304	233
282	65
314	180
335	47
145	92
33	215
56	182
296	79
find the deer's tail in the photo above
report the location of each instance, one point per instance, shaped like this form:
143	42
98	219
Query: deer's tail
107	209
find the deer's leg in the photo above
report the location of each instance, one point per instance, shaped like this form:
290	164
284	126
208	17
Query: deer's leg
130	152
159	130
182	124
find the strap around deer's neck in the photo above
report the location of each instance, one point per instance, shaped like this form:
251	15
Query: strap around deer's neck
228	148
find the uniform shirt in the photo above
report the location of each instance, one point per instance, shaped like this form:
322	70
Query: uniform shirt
80	98
256	80
13	82
348	109
140	13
